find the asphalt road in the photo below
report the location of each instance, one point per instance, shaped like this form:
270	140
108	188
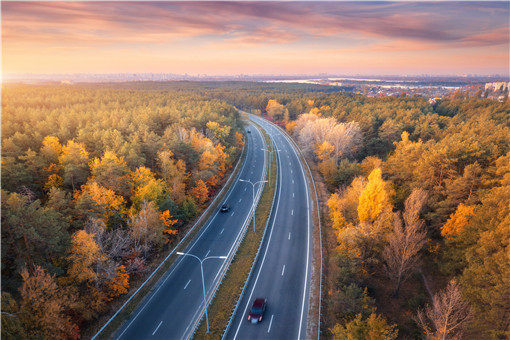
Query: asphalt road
282	272
173	308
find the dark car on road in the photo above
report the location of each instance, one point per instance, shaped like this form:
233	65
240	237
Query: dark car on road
225	208
248	131
257	310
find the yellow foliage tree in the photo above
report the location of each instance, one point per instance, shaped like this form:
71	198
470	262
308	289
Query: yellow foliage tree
146	187
335	211
174	174
315	111
374	199
111	172
324	150
51	148
458	221
274	109
105	199
74	161
84	253
291	126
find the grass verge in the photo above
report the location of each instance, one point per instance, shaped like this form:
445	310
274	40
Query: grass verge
151	285
228	293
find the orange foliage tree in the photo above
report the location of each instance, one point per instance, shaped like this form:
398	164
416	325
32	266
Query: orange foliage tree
200	192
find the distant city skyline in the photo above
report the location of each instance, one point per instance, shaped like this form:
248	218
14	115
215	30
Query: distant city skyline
255	38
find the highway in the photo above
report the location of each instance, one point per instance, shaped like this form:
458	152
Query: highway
283	269
176	305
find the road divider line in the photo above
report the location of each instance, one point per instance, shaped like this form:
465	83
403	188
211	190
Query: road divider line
157	327
231	253
292	212
283	269
221	232
207	252
289	236
232	213
186	286
270	323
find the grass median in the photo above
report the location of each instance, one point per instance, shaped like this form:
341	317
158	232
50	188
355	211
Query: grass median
230	289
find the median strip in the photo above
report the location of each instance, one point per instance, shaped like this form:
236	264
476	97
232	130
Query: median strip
230	290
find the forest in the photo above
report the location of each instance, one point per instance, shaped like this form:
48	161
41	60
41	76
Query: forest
418	206
415	199
98	180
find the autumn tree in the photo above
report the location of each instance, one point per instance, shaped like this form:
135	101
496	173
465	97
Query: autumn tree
147	228
239	140
446	316
375	198
104	200
174	174
200	192
146	187
275	110
401	254
375	327
118	284
43	307
84	255
169	223
74	160
111	172
455	225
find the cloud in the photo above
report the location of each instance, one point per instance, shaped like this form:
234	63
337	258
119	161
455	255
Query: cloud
250	22
316	33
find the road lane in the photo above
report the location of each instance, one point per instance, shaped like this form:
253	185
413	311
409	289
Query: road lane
171	311
287	294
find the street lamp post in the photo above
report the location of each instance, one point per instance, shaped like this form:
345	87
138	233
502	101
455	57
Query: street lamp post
203	282
271	153
253	196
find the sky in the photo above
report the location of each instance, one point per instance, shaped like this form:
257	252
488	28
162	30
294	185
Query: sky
220	38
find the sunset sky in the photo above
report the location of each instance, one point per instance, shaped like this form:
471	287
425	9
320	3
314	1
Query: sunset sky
256	37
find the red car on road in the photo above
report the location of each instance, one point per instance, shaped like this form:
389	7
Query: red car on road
257	310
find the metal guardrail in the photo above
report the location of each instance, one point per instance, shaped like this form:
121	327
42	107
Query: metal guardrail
214	203
255	259
231	256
